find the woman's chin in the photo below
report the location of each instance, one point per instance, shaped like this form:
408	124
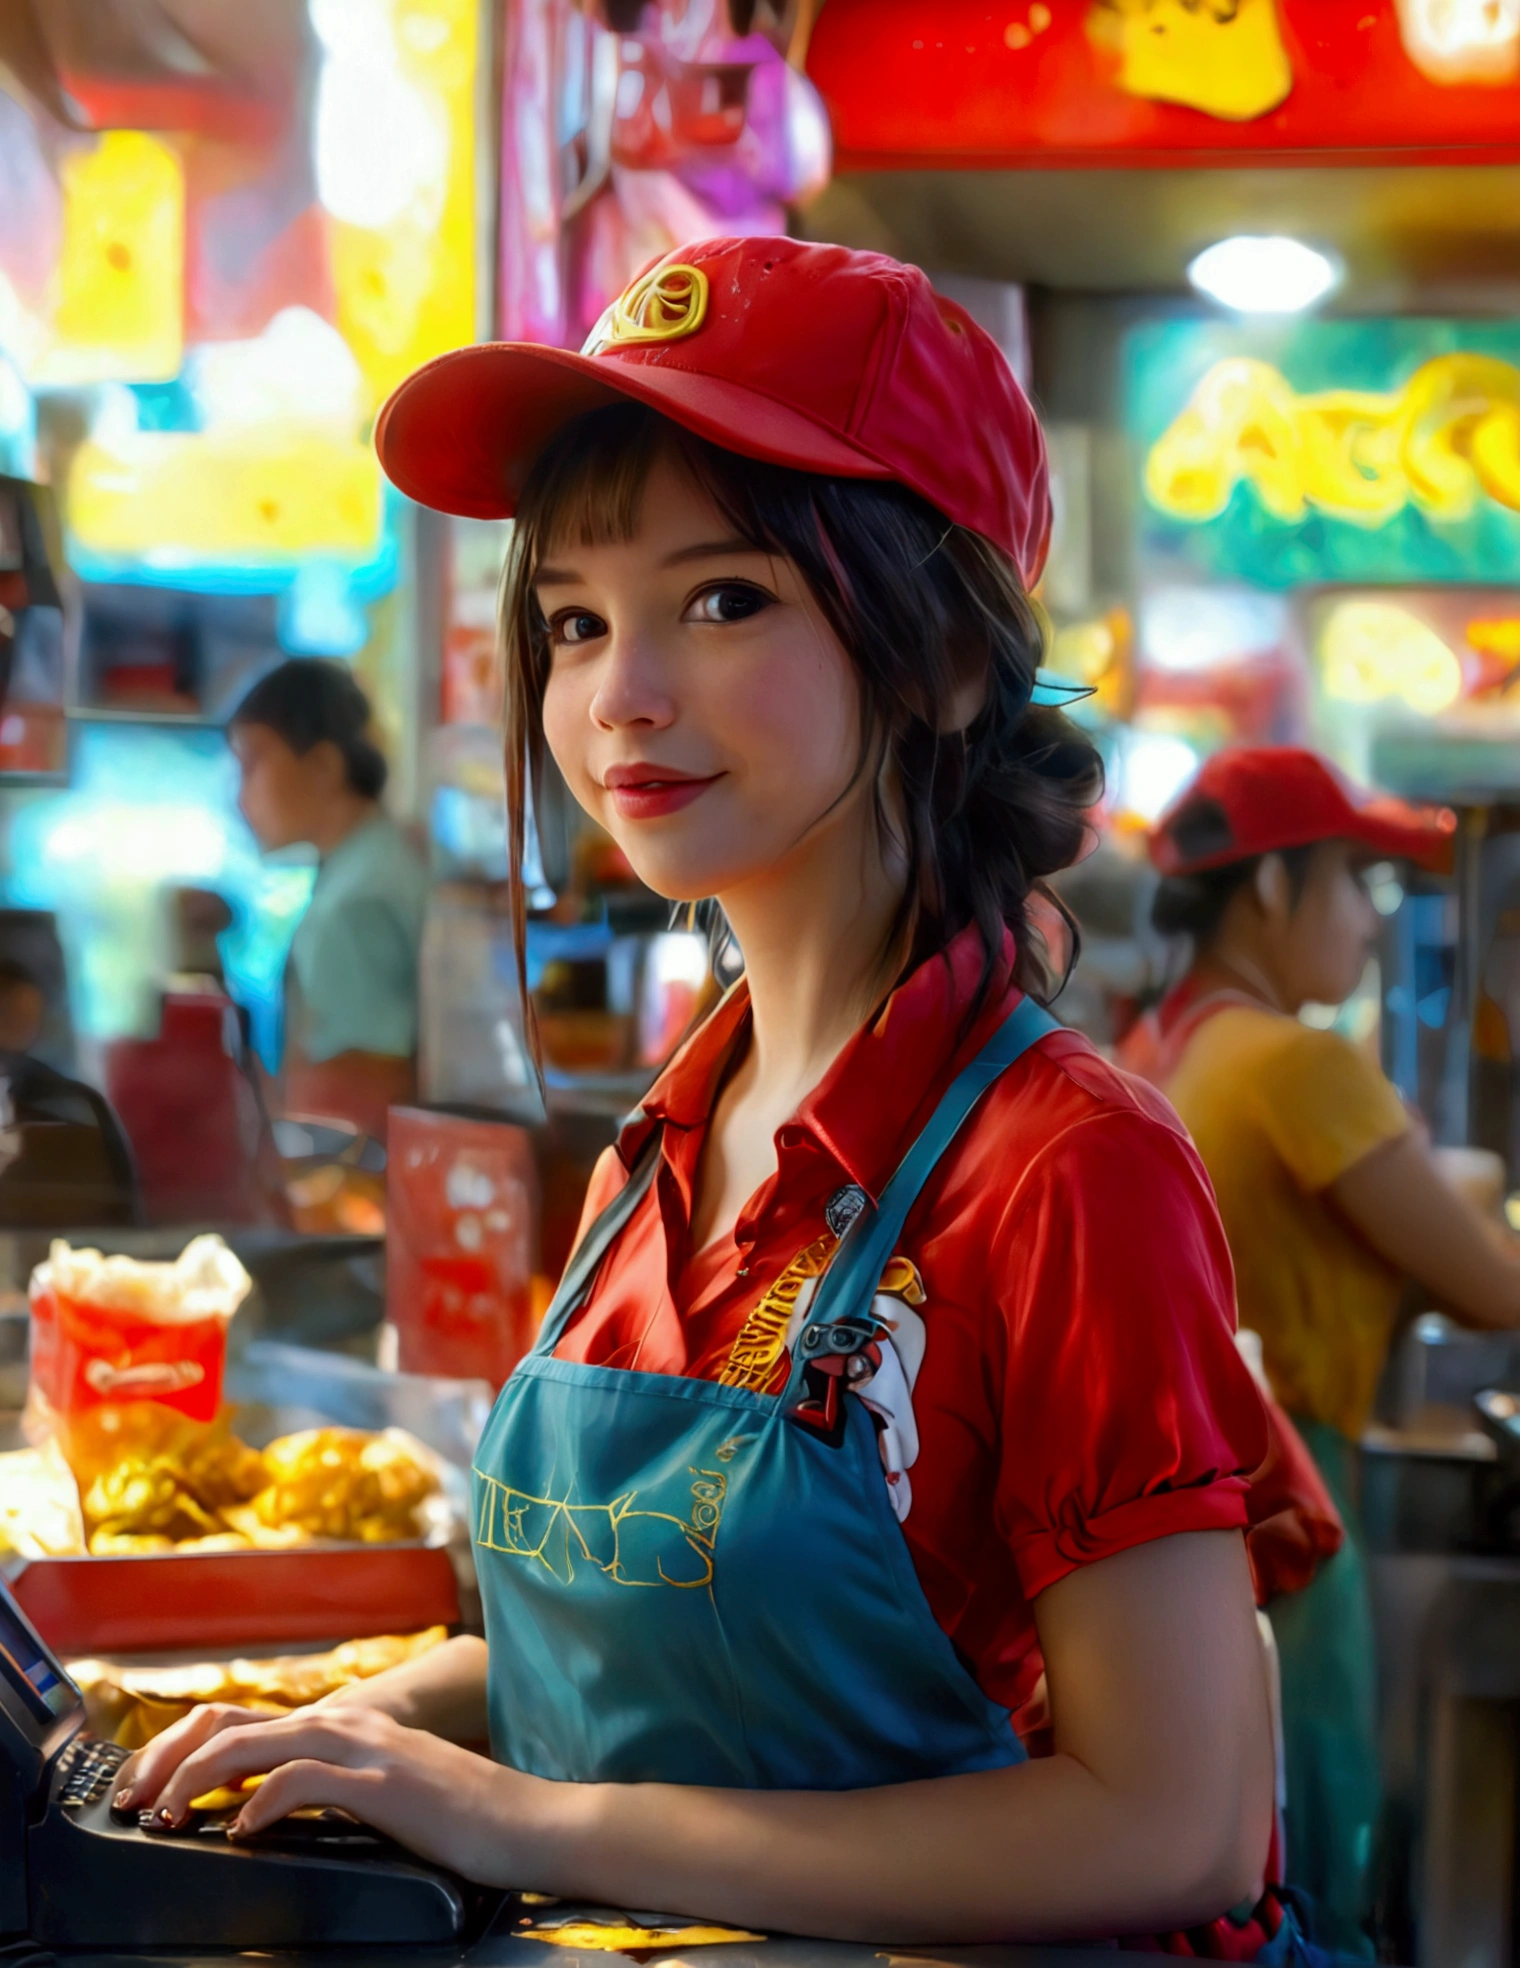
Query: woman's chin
677	878
678	890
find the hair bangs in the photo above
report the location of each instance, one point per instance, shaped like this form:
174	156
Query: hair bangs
591	491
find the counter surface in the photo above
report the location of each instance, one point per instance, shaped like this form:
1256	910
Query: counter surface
501	1947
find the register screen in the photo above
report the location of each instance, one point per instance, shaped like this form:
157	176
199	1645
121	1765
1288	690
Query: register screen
28	1661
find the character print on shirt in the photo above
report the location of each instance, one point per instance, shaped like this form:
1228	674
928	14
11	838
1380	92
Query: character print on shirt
876	1357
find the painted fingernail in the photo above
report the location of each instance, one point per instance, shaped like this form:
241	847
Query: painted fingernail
166	1816
237	1829
123	1798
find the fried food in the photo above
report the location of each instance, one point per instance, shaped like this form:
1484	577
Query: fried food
143	1497
128	1544
259	1536
131	1705
218	1469
152	1481
204	1490
344	1483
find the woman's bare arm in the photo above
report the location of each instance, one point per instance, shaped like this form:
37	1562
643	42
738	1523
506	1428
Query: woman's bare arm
1154	1813
442	1691
1398	1199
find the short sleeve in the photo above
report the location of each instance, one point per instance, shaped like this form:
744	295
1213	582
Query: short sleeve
357	969
1127	1413
1324	1105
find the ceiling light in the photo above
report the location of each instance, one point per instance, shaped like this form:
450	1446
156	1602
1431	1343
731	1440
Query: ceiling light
1263	274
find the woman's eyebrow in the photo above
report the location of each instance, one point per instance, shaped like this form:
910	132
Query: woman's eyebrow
711	550
564	577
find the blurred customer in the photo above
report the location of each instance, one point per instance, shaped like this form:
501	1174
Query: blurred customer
311	773
1330	1195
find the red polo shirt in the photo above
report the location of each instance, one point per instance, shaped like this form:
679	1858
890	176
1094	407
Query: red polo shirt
1080	1390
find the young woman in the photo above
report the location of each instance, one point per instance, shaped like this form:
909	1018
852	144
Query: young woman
1330	1197
310	772
891	1396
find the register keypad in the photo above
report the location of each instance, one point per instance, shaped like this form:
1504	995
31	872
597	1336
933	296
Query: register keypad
89	1769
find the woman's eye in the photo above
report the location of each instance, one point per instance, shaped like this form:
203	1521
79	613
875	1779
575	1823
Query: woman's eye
727	601
576	625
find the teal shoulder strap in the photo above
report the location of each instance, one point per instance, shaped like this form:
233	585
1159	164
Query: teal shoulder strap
851	1280
586	1260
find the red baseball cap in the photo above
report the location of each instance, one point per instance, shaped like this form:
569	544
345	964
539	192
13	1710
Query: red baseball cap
1255	799
812	356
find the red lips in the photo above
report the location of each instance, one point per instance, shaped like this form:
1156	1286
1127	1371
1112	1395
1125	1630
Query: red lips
649	792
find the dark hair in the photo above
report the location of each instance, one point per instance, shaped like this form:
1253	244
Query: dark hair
919	604
1194	905
309	701
15	975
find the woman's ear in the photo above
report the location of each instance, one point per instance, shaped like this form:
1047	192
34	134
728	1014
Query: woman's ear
1273	890
327	767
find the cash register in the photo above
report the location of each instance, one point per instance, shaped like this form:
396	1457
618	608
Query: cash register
74	1873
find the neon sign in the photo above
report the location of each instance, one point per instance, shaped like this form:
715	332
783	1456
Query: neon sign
1443	443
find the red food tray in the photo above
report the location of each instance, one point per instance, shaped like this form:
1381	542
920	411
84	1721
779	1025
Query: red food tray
220	1599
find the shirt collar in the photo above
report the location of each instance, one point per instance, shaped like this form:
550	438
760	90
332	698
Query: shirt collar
882	1086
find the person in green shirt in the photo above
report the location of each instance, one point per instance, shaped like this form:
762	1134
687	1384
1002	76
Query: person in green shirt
310	772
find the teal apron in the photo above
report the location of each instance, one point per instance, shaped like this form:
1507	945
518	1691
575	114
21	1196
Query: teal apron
696	1584
1328	1651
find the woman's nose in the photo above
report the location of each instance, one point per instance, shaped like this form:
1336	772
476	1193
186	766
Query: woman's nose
632	687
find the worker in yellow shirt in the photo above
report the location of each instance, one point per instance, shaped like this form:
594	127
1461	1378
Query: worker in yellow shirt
1331	1200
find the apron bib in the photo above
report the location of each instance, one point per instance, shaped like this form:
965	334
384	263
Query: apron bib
689	1583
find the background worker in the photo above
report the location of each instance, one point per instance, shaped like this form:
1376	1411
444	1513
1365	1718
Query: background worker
1331	1199
312	773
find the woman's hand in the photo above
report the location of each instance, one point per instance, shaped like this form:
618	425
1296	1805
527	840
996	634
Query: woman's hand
147	1770
443	1802
442	1691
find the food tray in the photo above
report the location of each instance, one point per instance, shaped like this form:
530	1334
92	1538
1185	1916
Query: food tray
170	1601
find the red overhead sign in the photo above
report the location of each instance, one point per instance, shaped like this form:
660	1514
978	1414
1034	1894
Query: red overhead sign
942	83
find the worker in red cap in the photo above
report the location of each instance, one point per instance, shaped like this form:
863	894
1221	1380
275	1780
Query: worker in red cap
893	1379
1330	1197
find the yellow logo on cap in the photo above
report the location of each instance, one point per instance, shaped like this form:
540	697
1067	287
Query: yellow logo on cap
664	305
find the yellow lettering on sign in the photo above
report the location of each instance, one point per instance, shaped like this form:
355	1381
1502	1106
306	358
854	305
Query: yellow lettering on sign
1449	437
